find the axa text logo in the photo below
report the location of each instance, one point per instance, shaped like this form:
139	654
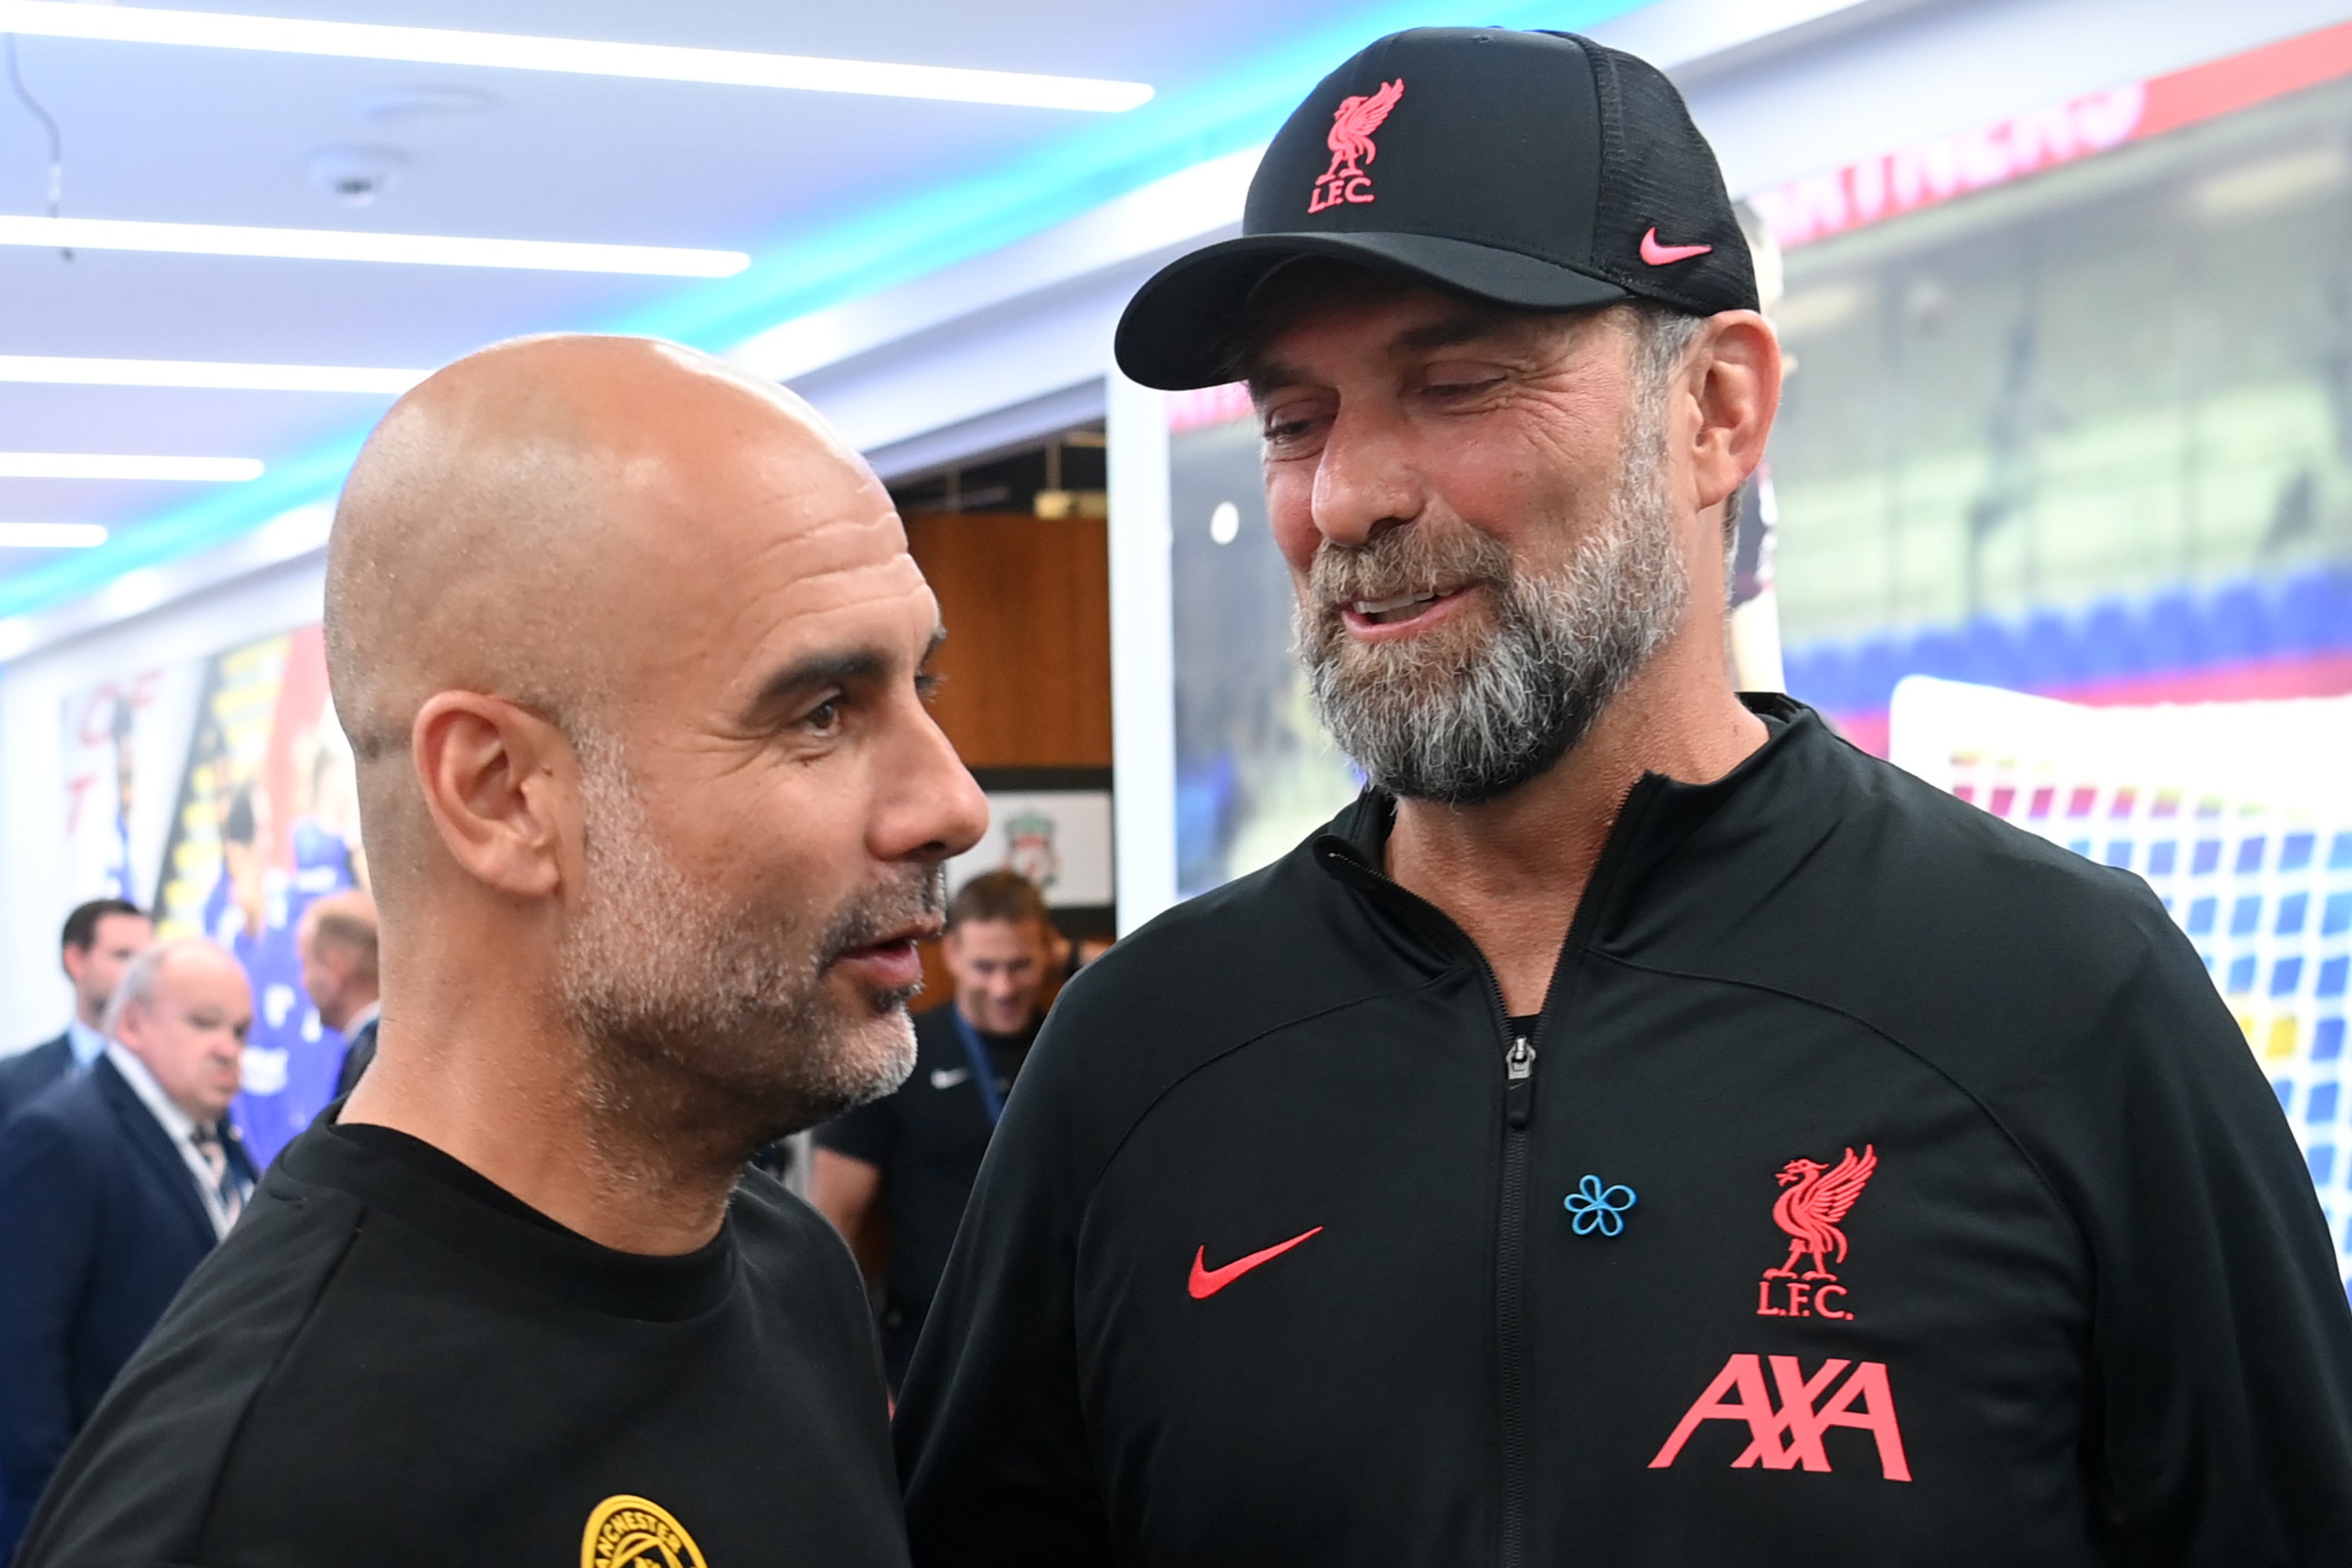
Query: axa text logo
1813	1198
1789	1437
1350	141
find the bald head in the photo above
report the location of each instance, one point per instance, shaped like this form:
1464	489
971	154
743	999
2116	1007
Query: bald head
525	522
634	662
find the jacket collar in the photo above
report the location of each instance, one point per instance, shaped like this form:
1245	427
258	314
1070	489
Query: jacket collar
86	1044
1360	832
1659	815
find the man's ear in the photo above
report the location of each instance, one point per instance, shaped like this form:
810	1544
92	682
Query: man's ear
497	783
1737	365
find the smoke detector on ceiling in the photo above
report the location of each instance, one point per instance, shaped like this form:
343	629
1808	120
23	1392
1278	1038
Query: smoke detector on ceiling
355	176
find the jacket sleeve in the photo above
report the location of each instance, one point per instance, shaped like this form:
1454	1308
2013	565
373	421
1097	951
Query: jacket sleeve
991	1434
48	1227
2222	1340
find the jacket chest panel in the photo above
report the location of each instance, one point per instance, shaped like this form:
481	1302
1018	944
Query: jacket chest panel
1302	1238
1840	1290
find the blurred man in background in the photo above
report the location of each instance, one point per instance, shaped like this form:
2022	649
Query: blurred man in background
337	940
100	939
647	902
113	1187
893	1175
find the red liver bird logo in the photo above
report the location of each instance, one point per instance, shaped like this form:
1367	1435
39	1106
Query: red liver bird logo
1816	1198
1350	141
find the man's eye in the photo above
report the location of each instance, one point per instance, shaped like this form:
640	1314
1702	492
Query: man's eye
1287	424
824	717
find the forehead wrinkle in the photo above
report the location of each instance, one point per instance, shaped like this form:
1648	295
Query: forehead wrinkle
770	628
1463	325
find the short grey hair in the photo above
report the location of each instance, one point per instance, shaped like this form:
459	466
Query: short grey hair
1662	341
137	986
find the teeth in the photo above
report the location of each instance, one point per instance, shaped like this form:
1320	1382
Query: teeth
1384	607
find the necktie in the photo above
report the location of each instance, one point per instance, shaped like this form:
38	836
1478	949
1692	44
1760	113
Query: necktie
231	1198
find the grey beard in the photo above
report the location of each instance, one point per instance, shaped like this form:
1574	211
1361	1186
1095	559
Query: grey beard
708	1022
1434	719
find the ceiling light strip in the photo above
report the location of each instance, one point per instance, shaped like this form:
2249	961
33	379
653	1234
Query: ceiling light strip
578	57
117	465
51	371
51	535
341	245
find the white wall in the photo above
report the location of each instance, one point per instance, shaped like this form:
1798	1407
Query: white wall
1783	87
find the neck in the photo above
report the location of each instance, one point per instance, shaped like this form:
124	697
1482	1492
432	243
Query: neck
196	1114
91	1017
468	1063
970	1012
348	1009
1511	872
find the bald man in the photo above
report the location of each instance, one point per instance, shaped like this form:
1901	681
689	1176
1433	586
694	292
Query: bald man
632	657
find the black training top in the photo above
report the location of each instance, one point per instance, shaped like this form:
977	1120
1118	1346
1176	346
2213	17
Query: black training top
391	1360
926	1139
1882	1185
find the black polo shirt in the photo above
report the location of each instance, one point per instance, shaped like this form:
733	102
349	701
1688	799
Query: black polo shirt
926	1139
391	1360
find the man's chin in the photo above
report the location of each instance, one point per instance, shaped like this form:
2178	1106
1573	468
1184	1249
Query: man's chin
874	1055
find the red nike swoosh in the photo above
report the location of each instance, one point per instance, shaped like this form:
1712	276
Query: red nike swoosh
1658	255
1207	1281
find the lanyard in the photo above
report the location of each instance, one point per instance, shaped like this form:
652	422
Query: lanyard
983	1071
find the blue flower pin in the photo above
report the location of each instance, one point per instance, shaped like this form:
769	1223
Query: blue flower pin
1600	1208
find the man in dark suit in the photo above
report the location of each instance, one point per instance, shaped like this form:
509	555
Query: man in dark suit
113	1186
337	944
100	939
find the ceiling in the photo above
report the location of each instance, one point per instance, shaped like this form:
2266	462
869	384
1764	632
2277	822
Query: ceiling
829	194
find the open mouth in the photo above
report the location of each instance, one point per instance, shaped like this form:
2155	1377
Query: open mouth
1397	609
892	963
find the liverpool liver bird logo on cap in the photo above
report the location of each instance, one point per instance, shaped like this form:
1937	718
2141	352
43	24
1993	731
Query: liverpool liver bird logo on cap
1816	1197
1350	141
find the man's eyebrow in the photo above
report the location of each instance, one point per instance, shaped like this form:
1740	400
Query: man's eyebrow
817	670
1474	324
1264	376
1463	327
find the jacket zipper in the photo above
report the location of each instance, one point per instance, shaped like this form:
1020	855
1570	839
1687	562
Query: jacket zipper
1510	1230
1518	1117
1510	1286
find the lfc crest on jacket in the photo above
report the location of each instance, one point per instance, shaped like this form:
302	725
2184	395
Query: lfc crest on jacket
1813	1198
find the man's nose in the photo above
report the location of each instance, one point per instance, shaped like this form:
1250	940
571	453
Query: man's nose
1364	482
936	807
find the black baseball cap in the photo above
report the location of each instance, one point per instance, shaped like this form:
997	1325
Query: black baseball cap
1530	169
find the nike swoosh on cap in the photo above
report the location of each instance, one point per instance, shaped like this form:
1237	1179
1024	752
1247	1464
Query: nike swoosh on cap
1658	255
947	1078
1207	1281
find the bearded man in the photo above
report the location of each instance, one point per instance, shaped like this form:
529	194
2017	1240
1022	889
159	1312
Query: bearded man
1642	1129
632	656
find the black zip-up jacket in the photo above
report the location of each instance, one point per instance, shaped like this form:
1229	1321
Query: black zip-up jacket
1881	1186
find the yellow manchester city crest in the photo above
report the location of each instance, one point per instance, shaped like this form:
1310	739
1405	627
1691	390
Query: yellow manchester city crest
628	1531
